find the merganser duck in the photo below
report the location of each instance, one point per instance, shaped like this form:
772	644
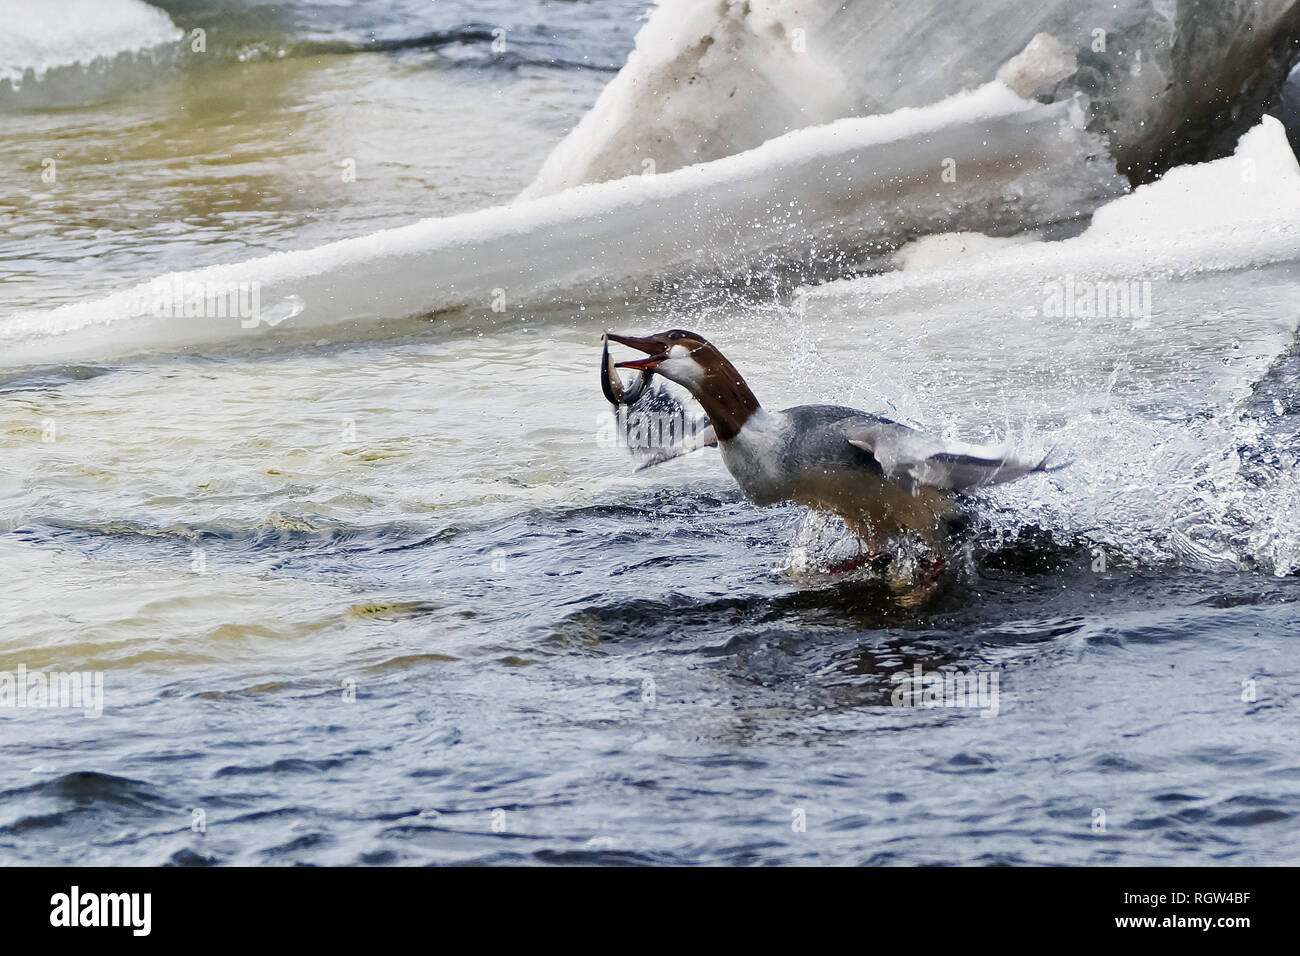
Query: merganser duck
882	478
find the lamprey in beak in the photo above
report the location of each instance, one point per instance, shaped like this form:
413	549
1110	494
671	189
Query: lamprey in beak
610	382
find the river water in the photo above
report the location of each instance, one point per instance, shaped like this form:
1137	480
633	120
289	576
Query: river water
390	599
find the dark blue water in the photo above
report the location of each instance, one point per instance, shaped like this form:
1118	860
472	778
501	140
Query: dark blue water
641	688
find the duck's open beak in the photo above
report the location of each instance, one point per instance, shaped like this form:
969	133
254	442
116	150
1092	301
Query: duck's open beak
651	346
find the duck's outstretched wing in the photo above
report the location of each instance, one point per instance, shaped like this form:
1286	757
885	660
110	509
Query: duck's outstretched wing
659	427
651	457
913	459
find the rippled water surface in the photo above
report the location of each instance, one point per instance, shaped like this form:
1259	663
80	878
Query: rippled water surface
393	600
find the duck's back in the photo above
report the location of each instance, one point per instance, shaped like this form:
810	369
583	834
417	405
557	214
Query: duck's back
819	438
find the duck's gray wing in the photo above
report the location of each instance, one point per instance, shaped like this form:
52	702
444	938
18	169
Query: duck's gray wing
659	427
704	438
911	458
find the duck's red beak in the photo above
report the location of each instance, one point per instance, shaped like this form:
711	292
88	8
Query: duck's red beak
650	345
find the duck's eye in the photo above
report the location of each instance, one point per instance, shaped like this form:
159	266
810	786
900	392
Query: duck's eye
674	335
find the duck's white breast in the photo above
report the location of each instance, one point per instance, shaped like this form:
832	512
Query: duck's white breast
755	457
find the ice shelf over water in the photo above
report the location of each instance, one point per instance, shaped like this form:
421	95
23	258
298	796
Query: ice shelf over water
817	201
1168	82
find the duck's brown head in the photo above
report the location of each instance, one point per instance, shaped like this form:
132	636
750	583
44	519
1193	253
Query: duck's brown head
693	362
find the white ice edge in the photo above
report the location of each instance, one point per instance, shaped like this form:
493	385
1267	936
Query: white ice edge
1232	213
39	35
